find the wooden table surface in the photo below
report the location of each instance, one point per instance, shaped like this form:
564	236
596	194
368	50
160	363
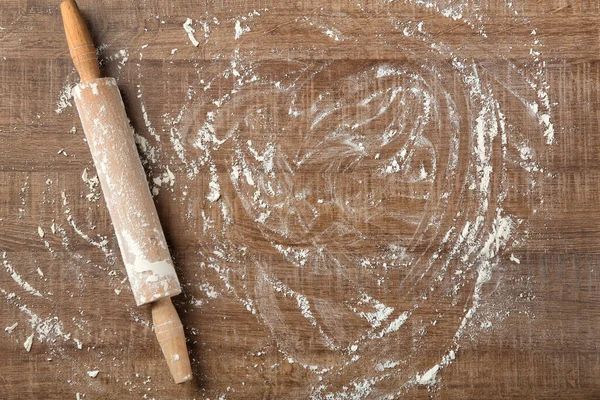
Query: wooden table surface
363	199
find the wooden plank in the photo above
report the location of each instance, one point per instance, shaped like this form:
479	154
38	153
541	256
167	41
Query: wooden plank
320	267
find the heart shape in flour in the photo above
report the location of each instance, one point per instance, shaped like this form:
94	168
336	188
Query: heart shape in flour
337	171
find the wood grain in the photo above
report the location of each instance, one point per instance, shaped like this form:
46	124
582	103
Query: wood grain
543	340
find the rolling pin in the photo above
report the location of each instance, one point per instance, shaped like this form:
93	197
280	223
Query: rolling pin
141	239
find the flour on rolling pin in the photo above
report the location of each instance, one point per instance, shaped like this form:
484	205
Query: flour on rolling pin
141	240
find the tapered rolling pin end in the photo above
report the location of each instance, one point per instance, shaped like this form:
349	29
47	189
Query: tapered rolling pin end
169	331
80	42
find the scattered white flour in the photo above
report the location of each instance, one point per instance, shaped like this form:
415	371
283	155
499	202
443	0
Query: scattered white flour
380	312
147	122
239	30
386	365
93	374
214	186
122	56
11	328
166	179
102	241
18	278
209	290
64	98
48	329
429	377
93	186
286	206
187	26
393	326
28	343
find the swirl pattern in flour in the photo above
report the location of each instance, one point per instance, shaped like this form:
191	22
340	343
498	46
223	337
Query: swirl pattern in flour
370	201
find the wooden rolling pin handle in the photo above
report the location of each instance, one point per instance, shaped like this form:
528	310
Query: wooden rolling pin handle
169	332
80	42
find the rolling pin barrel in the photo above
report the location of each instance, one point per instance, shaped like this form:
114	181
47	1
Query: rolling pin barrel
141	239
132	210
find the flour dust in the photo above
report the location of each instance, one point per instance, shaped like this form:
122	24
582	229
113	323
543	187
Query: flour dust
377	193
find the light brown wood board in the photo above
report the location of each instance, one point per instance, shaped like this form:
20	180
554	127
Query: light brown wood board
404	200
